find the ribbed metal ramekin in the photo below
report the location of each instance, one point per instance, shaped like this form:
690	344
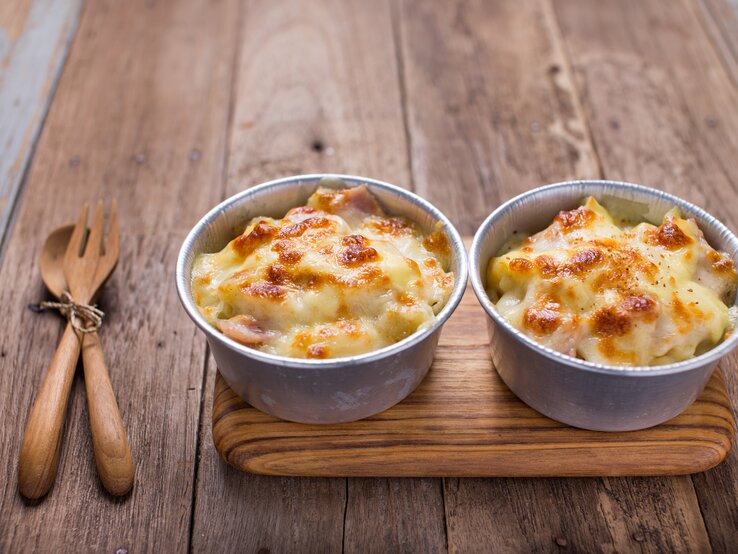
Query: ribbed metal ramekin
318	391
574	391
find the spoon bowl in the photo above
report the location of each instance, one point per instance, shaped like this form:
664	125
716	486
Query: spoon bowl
52	260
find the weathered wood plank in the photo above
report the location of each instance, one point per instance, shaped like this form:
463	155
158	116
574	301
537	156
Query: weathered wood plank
238	512
493	110
579	515
140	114
317	91
661	106
720	19
398	517
664	112
34	39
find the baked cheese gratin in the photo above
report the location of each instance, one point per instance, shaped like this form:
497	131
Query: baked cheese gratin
333	278
615	292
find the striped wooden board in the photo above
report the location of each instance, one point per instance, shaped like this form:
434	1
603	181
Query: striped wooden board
462	421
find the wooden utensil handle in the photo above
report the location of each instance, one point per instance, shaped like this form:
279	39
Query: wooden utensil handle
39	454
112	452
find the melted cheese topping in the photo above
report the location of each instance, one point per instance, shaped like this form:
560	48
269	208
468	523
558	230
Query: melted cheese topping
334	278
613	293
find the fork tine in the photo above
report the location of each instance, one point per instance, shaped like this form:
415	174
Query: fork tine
95	240
112	242
78	235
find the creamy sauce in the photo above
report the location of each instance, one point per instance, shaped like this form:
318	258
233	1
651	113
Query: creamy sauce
613	291
333	278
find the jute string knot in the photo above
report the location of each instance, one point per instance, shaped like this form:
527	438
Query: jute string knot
85	318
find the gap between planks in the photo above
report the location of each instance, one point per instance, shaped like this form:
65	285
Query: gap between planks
721	34
557	38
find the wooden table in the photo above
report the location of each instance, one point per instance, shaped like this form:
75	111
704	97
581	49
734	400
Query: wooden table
172	105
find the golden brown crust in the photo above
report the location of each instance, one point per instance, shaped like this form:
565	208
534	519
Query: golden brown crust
670	236
394	226
265	290
521	265
574	219
278	275
334	278
583	261
724	265
287	253
260	234
437	242
356	251
299	228
615	293
547	266
543	320
611	322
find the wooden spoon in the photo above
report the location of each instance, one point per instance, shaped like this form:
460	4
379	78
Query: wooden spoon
39	458
112	452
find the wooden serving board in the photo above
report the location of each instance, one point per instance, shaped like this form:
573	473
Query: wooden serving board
462	421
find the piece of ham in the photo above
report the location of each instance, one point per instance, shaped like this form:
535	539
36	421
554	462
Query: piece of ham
244	329
352	204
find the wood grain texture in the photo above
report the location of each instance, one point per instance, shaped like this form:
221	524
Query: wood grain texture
146	86
491	110
602	515
113	457
317	90
720	20
394	515
34	40
237	512
664	112
463	421
38	459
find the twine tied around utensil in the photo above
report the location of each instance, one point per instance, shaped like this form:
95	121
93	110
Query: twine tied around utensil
85	318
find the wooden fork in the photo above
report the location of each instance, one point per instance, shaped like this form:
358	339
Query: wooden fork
87	265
